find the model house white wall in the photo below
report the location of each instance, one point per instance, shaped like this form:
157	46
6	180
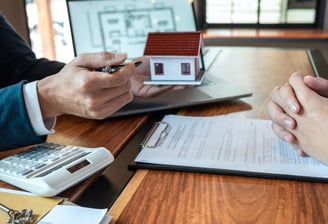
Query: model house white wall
173	68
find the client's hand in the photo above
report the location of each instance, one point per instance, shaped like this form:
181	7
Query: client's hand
311	130
79	90
297	110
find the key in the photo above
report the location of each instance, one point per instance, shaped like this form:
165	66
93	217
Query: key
24	216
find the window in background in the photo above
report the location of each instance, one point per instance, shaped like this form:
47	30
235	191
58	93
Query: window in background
262	13
59	45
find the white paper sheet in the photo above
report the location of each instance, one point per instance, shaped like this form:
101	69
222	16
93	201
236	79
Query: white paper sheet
221	142
67	214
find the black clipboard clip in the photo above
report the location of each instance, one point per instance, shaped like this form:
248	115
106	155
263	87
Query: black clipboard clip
155	136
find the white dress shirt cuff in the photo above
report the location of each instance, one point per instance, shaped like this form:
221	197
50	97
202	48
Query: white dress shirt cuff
40	126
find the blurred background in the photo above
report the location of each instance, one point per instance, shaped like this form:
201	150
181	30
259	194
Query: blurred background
49	29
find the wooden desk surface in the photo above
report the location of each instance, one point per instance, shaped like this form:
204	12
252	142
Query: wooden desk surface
110	133
182	197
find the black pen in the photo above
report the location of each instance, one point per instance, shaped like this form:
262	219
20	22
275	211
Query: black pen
113	68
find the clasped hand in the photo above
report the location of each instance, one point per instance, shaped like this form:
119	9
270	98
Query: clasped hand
299	110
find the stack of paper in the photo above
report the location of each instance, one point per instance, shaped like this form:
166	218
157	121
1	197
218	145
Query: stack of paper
50	210
68	214
225	145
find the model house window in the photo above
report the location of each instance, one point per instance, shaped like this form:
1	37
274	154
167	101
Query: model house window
185	69
159	69
262	13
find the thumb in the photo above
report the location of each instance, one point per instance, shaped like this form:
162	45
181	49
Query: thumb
101	59
303	92
318	84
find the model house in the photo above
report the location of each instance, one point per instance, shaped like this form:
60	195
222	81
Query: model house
173	56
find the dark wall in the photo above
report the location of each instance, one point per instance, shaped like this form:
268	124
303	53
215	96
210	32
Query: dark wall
15	12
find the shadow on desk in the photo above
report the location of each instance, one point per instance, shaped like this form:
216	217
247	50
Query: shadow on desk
217	108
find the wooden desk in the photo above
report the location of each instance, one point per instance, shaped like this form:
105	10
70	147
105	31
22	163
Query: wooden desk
110	133
182	197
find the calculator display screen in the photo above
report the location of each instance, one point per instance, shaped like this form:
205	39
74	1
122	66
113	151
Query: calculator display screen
78	166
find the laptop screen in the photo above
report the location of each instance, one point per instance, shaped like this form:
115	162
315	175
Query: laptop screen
123	25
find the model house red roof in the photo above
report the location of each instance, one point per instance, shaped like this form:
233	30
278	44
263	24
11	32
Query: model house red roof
173	44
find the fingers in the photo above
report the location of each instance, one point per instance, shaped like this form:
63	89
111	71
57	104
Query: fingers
100	108
90	81
79	90
282	107
317	84
143	70
144	59
178	87
285	97
299	150
119	77
279	117
99	102
107	93
288	137
283	100
282	124
153	90
303	93
282	133
96	99
98	60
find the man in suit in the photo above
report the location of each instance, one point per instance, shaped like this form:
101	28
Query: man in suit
33	92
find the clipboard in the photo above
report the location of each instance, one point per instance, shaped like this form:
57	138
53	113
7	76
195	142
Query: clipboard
161	131
156	134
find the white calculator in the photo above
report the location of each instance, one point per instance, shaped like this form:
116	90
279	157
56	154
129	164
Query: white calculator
48	169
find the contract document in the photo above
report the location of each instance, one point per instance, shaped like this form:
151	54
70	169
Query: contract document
224	145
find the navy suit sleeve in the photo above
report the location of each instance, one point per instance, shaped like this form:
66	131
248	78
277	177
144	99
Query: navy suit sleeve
18	64
15	127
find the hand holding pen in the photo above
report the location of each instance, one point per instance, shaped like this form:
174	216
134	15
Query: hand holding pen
113	68
81	90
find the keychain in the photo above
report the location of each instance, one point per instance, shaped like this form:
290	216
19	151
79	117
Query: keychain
24	216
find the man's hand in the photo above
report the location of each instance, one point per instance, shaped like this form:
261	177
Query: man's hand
80	90
143	73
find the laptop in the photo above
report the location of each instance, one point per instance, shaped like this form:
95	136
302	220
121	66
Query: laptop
319	61
123	25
